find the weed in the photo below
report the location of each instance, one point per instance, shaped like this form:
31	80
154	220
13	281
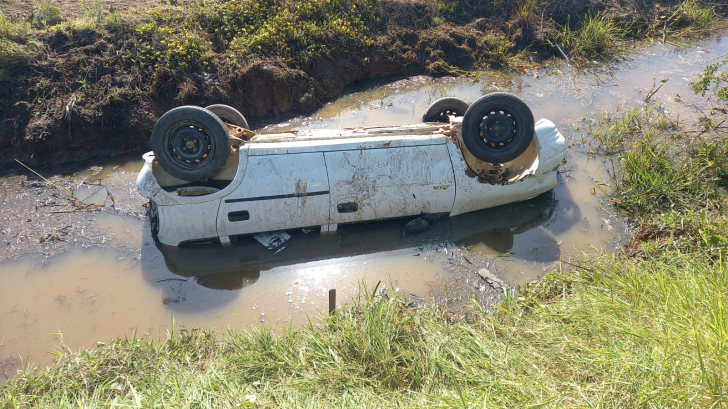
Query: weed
694	15
13	31
598	37
655	88
612	130
447	7
298	32
713	77
440	67
655	174
525	9
649	182
712	156
16	55
95	12
689	17
497	49
15	49
166	48
46	13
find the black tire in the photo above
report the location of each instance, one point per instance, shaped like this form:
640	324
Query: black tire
441	109
190	143
229	114
498	128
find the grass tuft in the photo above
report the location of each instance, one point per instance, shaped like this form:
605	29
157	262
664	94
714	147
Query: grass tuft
597	38
654	173
46	13
526	9
691	14
650	182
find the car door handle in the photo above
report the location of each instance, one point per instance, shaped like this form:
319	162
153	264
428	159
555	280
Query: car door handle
239	216
348	207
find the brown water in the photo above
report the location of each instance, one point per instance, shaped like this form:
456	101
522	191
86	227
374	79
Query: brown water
125	284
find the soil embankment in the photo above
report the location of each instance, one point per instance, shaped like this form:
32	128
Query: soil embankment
74	89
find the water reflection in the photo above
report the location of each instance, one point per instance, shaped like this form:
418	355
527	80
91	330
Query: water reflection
522	230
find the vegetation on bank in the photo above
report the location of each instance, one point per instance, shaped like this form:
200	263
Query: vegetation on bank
91	85
205	35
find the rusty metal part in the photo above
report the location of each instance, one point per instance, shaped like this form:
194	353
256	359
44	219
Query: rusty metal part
239	132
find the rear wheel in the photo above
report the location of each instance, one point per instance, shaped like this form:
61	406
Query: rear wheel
442	109
498	128
229	114
190	143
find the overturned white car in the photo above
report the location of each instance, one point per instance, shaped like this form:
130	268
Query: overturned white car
212	180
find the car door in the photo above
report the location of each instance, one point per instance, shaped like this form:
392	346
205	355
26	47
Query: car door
279	191
383	183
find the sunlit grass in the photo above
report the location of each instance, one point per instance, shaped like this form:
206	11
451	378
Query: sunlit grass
693	15
526	9
597	37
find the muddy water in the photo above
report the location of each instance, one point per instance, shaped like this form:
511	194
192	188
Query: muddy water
97	274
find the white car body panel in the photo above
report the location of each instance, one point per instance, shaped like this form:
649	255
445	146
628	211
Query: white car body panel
390	182
280	192
328	177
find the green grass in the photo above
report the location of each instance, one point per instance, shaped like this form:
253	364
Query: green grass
16	49
526	9
598	37
654	172
694	16
297	32
46	13
650	180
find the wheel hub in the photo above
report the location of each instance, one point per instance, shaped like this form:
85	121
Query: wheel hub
444	116
497	128
190	144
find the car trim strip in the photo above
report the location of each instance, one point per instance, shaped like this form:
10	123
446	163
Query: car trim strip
288	196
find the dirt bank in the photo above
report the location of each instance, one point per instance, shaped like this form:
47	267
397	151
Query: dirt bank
82	88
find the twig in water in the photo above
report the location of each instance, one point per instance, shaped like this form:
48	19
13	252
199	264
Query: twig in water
374	293
172	279
48	181
654	90
577	266
563	54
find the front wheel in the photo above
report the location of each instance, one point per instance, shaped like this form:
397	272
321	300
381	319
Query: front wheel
190	143
498	128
